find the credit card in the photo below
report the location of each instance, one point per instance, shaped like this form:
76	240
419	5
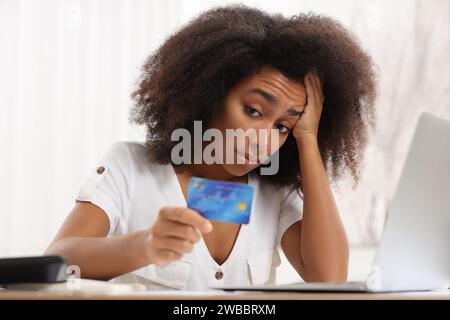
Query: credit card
220	200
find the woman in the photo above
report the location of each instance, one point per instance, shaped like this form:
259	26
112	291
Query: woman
231	68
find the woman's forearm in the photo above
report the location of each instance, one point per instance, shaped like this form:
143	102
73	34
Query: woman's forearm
324	245
103	258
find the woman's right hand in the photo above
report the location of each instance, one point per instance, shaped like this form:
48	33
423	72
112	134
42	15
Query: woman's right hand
174	233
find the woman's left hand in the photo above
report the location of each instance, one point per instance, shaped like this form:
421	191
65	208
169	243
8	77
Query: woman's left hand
308	123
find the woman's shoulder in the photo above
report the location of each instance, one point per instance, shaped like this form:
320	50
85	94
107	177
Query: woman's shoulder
127	148
131	160
129	153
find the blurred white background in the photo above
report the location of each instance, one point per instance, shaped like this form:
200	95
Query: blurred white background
67	69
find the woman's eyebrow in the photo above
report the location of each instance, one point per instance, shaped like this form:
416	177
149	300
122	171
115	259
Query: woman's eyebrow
270	98
294	112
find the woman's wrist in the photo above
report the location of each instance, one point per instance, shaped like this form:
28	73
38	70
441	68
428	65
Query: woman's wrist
138	244
306	140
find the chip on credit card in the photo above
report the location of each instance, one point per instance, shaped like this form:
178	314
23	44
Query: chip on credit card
221	201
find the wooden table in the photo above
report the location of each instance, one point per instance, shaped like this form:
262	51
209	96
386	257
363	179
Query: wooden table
219	295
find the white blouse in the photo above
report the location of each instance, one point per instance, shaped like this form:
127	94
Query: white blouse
131	189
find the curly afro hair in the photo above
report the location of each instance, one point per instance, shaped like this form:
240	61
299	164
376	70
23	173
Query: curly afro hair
190	75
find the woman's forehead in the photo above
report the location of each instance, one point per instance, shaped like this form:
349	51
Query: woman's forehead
276	84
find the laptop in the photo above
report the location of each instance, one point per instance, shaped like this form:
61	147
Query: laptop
414	250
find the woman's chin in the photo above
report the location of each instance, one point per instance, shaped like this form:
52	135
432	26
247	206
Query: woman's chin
239	170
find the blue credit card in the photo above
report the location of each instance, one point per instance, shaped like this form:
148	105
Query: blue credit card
221	201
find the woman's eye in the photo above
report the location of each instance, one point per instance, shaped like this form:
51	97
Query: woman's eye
252	111
283	129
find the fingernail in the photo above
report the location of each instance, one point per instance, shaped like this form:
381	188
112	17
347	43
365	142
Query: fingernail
207	227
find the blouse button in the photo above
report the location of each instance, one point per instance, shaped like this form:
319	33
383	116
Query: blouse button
219	275
100	170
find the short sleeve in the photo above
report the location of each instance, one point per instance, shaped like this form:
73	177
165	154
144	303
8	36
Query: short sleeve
291	211
110	185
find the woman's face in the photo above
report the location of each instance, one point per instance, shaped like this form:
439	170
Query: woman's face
267	100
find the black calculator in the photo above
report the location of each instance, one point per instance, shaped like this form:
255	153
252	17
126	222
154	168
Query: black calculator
38	269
